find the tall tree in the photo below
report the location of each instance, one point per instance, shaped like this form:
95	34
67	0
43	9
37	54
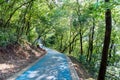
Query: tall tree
80	29
91	39
108	28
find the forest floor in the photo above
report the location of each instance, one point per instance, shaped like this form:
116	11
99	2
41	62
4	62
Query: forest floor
15	57
82	72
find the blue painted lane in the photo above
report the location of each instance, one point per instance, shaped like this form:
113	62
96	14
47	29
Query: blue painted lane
53	66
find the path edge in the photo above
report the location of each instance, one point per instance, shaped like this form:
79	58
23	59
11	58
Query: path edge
72	69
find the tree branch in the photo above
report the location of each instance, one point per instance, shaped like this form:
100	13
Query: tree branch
14	12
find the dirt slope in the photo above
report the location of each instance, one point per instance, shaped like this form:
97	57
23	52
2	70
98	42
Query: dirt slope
15	57
81	71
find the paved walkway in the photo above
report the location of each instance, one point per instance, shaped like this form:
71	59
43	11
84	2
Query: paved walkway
53	66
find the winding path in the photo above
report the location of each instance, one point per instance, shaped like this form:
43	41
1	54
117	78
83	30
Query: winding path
52	66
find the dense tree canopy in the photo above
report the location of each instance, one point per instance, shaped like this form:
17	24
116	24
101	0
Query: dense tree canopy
74	27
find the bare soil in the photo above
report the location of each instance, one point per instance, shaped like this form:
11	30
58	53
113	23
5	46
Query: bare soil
80	69
14	57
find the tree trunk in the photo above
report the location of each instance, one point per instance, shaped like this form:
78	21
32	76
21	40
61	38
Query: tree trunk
70	41
61	42
88	52
81	44
91	40
103	64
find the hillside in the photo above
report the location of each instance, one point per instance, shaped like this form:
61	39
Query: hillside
14	57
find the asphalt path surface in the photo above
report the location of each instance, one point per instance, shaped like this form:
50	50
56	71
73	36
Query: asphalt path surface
52	66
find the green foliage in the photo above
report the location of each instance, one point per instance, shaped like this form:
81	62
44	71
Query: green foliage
51	40
60	25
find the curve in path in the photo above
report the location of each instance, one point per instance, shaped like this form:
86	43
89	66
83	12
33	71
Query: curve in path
53	66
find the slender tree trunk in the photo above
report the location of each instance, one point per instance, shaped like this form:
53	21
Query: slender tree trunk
61	42
80	28
70	41
81	44
103	64
28	24
88	52
90	44
91	40
114	49
44	40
